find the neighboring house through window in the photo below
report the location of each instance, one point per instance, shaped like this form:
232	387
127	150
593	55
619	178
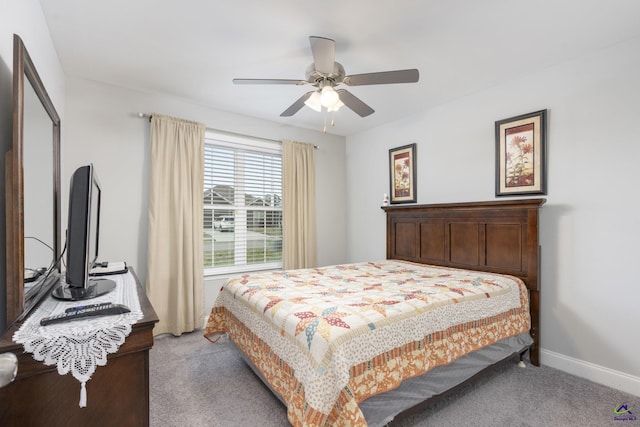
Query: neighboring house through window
242	204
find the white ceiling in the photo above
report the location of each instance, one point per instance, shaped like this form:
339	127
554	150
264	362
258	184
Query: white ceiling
194	48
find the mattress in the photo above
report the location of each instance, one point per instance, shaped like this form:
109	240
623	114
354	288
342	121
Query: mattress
381	409
326	339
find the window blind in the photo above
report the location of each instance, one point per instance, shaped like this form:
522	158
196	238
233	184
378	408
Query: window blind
242	206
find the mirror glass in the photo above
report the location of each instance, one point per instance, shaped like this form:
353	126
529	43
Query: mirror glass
37	161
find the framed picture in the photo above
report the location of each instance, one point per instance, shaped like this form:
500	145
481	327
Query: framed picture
402	174
521	155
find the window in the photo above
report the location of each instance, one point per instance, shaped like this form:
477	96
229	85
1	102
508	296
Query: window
242	204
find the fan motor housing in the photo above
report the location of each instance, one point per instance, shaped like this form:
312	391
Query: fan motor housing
315	77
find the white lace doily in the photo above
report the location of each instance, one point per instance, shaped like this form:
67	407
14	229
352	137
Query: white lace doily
80	346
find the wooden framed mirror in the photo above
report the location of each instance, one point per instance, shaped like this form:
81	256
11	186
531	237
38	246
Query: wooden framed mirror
32	190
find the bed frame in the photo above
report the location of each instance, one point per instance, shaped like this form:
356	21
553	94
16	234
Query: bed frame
495	236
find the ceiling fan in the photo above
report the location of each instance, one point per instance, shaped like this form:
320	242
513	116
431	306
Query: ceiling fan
325	74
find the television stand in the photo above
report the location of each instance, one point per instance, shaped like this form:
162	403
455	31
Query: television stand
117	395
95	288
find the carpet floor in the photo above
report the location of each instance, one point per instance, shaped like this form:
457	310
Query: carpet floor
196	383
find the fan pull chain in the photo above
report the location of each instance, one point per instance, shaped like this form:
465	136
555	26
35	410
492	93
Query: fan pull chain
324	129
333	122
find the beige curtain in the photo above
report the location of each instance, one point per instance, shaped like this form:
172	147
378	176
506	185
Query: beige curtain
299	205
175	278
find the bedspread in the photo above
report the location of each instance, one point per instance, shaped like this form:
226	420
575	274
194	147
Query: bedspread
328	338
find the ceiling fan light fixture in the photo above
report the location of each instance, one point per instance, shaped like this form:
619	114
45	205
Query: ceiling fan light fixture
336	106
329	97
314	102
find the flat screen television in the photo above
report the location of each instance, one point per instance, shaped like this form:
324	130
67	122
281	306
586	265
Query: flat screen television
83	232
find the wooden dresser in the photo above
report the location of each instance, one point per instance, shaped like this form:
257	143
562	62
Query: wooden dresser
117	394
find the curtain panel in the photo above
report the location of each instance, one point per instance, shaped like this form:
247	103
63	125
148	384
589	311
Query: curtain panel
299	205
175	278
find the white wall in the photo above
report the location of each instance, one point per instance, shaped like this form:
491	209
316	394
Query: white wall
101	128
588	227
25	18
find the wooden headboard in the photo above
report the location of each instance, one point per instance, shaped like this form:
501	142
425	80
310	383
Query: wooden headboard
497	236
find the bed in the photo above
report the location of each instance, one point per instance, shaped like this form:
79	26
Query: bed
356	344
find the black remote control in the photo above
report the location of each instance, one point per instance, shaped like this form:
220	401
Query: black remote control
97	310
84	307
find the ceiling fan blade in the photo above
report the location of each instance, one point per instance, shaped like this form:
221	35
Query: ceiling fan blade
269	82
324	52
296	106
350	100
382	78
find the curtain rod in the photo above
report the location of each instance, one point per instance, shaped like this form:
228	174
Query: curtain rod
148	116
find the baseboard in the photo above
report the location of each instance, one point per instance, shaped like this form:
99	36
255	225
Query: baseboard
596	373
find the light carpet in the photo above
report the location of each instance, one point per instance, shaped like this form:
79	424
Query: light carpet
196	383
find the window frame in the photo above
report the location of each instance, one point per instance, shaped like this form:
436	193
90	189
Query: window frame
239	142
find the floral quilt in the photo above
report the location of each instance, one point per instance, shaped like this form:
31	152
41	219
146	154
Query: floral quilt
328	338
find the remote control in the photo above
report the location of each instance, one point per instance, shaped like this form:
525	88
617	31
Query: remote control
83	307
97	310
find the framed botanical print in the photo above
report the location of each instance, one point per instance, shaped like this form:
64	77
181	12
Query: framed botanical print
521	155
402	174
